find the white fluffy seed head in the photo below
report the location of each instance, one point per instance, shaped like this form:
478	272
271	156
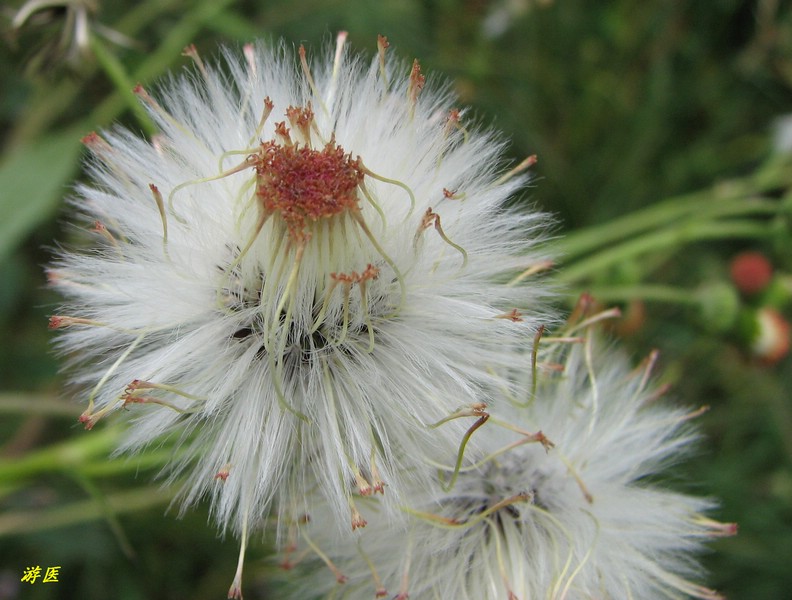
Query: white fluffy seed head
586	518
296	277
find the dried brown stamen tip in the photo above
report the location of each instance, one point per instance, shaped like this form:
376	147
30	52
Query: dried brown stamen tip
133	399
717	529
450	195
139	90
87	420
382	46
250	56
358	522
139	384
223	473
191	52
364	487
283	132
695	414
417	81
542	439
371	272
515	316
582	308
60	321
301	119
96	143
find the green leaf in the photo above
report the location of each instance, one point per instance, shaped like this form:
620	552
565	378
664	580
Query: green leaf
33	178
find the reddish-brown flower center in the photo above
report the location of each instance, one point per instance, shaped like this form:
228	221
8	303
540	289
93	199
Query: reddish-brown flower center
303	185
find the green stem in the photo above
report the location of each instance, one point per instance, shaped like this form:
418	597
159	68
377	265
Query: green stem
649	293
698	207
179	36
66	456
36	404
673	236
24	522
110	515
150	459
117	74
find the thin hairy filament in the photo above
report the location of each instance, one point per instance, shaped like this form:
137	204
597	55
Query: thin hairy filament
406	574
572	471
142	385
236	586
268	106
59	321
534	437
323	311
276	268
163	216
376	206
492	456
376	479
328	386
534	355
611	313
456	247
366	316
110	372
309	78
651	360
451	523
238	260
395	182
532	270
345	319
525	164
242	218
388	260
141	92
340	577
228	153
461	453
135	399
276	382
239	168
379	588
569	544
589	359
584	560
382	46
534	372
475	410
499	555
287	320
289	293
339	52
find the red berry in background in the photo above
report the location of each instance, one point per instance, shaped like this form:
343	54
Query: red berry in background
751	272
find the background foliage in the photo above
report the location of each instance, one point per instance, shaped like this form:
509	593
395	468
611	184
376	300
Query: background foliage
627	105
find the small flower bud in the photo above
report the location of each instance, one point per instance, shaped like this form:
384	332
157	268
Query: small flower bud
719	306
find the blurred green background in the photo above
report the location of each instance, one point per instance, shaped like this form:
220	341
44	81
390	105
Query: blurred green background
627	104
